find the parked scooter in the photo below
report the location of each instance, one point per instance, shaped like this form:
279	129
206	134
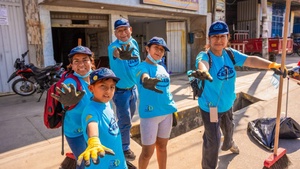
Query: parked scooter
33	79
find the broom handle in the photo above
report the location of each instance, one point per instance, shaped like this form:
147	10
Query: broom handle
283	55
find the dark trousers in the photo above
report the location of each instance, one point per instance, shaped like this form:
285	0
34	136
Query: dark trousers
212	136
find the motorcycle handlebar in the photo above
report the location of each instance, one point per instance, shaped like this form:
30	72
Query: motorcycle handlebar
24	54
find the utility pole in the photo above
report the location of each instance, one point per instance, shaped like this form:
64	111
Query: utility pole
265	41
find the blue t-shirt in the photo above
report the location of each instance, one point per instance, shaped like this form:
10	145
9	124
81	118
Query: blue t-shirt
124	69
109	134
154	104
72	121
220	92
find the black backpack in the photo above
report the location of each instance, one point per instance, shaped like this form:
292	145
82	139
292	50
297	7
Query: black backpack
195	82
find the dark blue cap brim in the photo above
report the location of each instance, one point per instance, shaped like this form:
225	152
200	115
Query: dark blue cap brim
165	47
108	77
71	55
216	33
122	26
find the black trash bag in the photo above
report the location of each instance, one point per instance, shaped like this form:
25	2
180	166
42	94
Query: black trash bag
289	129
263	130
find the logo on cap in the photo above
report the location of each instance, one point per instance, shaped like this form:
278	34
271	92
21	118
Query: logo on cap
218	27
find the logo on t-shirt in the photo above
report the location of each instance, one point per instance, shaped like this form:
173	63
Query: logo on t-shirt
225	73
165	80
113	127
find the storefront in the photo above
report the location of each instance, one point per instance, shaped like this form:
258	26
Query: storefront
65	22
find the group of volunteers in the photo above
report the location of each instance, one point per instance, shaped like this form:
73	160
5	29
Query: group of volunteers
99	139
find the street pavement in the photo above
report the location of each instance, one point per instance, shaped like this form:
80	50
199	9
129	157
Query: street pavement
27	143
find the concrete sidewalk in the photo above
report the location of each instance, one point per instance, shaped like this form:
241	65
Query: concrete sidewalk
26	143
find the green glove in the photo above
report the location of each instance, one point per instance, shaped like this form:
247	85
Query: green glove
277	69
125	54
69	96
150	83
94	149
202	75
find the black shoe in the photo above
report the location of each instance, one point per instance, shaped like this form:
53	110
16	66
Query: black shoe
130	165
129	155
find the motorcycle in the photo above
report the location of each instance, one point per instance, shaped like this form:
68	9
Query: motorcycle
33	79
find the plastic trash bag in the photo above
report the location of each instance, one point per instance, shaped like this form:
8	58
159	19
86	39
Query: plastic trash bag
263	130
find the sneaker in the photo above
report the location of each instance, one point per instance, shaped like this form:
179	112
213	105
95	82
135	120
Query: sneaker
130	165
234	149
129	155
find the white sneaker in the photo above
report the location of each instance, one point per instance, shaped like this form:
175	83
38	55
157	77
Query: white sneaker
234	149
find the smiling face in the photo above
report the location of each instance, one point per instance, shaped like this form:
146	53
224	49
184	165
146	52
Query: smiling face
156	51
81	64
103	90
123	33
218	42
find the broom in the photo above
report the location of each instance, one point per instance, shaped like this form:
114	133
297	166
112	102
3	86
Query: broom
69	162
279	159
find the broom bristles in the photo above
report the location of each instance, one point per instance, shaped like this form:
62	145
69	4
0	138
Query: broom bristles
69	162
279	161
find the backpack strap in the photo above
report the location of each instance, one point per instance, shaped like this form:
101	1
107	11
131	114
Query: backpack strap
231	55
65	109
78	84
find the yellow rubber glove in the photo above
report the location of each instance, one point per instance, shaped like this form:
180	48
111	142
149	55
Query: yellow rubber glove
94	149
274	65
277	69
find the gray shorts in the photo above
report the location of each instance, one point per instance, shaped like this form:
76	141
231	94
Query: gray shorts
154	127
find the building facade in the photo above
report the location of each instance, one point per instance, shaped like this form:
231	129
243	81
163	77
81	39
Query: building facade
49	29
52	28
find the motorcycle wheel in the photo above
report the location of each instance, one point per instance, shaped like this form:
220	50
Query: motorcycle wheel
23	87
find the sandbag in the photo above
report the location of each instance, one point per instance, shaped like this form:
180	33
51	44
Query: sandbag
263	130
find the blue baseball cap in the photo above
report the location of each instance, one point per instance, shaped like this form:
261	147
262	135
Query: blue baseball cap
80	49
102	73
218	28
121	22
158	41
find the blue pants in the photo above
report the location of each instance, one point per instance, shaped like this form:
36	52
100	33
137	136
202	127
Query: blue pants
212	136
126	104
77	145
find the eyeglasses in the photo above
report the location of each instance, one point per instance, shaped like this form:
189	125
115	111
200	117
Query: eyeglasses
78	62
217	37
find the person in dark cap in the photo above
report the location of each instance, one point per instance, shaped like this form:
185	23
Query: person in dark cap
156	104
81	65
216	68
100	126
124	57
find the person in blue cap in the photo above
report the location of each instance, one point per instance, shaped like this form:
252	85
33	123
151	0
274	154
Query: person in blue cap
81	65
218	94
100	126
156	104
124	57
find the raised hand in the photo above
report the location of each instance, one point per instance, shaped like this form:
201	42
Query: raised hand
277	69
94	150
69	96
150	83
125	54
202	75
